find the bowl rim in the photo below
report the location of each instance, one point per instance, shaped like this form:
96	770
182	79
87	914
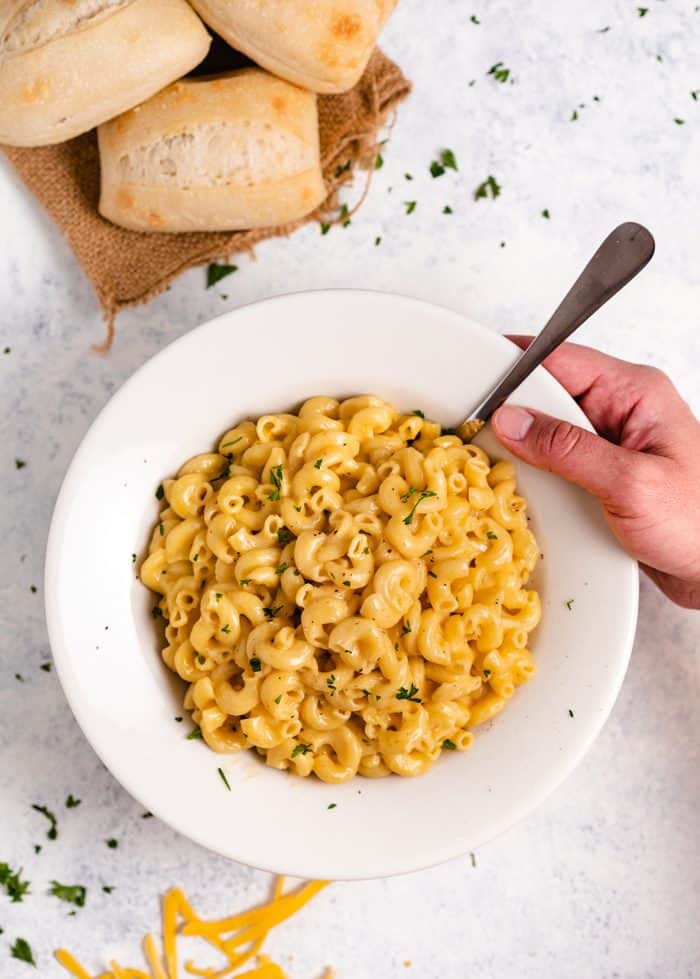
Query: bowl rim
547	783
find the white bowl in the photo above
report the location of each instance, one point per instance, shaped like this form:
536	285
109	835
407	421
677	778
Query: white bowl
271	356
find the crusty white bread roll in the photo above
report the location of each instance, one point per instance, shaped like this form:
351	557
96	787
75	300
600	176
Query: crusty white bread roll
322	45
68	65
213	154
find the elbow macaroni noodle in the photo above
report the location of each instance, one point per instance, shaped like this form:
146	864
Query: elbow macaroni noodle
344	590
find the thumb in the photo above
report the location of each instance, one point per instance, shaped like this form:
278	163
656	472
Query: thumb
565	449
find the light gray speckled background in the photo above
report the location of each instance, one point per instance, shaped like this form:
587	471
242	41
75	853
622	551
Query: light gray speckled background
604	880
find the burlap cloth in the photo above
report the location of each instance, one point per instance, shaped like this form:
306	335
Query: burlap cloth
127	267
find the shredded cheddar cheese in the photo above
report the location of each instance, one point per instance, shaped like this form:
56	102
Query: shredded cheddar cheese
239	939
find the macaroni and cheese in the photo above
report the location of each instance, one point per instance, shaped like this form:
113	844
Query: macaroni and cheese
345	589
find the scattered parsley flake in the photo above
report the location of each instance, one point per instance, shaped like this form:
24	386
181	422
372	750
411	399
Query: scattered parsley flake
448	160
546	214
436	169
472	857
378	161
425	494
21	950
419	413
52	832
340	170
276	477
281	568
408	176
72	894
222	776
642	11
301	749
195	734
571	713
226	629
270	613
330	683
161	528
255	664
20	463
283	536
574	116
487	674
377	241
410	206
569	603
344	214
474	19
218	271
133	559
11	880
406	628
244	582
332	805
410	694
679	122
72	802
346	584
46	667
431	574
447	209
156	612
489	188
491	536
500	72
318	463
112	843
227	444
107	889
450	745
278	699
160	492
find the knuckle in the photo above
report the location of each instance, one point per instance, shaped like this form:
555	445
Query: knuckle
558	440
654	379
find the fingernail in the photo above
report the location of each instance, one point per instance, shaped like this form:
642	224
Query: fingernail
513	423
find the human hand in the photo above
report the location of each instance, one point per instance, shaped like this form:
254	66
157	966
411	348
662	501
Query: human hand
643	465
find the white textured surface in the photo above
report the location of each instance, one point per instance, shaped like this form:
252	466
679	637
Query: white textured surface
604	880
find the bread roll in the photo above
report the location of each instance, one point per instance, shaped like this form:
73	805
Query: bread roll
68	65
218	154
323	45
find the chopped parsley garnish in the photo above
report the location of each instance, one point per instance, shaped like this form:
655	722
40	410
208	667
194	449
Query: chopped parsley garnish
20	463
133	559
301	749
330	683
52	832
218	596
332	805
270	613
447	209
72	894
408	176
72	802
574	116
571	713
546	214
410	206
378	161
499	72
489	188
472	857
195	558
21	950
344	214
679	122
218	271
107	889
325	228
431	574
487	674
160	492
226	628
426	553
377	241
161	528
278	699
11	880
283	536
244	582
410	694
195	734
276	476
425	494
569	603
642	11
408	494
406	628
491	536
46	667
222	776
112	843
233	442
474	19
255	664
281	568
418	413
450	745
318	463
449	160
297	508
346	584
436	169
340	170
